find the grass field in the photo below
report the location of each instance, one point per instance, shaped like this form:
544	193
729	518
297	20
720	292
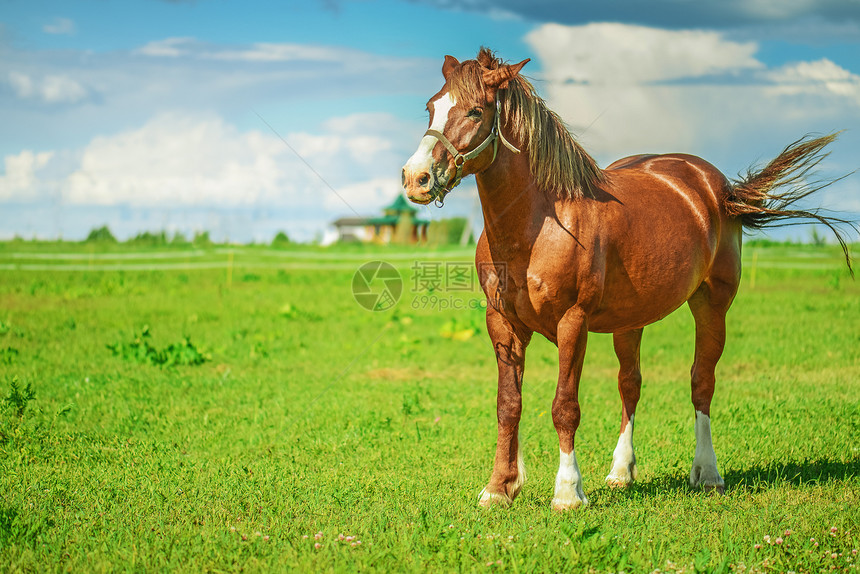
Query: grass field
229	409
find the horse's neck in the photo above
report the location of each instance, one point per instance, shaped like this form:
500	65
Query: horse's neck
513	207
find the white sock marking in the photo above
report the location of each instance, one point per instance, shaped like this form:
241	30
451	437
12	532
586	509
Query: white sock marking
521	465
623	460
568	483
704	469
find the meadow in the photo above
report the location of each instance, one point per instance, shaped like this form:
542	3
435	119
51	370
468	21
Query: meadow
233	408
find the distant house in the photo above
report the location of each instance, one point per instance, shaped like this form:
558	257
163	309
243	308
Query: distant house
397	224
352	229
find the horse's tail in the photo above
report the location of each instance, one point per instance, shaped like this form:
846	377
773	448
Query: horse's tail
762	197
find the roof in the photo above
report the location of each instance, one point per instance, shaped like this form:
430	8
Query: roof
384	220
351	221
400	205
391	216
393	220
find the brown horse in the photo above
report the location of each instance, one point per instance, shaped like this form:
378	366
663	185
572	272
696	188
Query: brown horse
569	248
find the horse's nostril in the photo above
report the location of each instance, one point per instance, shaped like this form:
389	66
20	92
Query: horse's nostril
424	179
403	177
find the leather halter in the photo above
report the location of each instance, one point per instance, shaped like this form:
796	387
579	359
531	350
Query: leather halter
460	158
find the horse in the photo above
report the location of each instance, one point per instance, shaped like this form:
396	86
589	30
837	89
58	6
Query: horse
569	248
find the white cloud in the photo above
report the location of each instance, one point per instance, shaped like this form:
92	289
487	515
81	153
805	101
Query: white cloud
178	160
60	26
62	89
170	126
20	181
267	52
365	196
22	84
169	47
107	92
361	138
193	164
811	77
260	52
651	90
51	89
613	54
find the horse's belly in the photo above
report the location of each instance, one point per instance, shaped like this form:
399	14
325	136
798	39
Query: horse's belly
624	319
633	302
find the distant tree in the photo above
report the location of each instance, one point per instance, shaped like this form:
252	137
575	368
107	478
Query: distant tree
201	239
446	231
280	240
179	239
817	238
149	239
101	235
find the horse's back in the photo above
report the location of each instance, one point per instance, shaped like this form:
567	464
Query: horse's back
630	160
689	172
703	187
672	188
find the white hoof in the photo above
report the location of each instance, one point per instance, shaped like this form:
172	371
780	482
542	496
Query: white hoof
504	499
707	478
622	477
569	502
568	484
623	471
704	473
489	499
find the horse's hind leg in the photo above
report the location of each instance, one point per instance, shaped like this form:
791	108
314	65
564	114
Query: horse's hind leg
629	384
709	305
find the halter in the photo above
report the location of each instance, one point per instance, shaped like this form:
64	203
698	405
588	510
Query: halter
460	158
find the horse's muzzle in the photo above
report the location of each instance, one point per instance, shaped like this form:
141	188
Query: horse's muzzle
420	187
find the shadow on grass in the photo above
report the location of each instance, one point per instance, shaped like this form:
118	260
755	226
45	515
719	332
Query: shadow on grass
756	478
798	473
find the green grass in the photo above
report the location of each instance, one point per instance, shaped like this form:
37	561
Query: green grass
311	417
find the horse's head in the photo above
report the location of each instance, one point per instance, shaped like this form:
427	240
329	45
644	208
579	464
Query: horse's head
464	127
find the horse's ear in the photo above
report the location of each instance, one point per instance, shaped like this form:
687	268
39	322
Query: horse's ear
450	63
500	77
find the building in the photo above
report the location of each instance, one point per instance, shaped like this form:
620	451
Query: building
397	224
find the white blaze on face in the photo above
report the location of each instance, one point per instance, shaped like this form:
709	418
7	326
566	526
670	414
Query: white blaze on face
422	160
568	483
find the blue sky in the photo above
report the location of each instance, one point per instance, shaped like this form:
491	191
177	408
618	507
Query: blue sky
150	115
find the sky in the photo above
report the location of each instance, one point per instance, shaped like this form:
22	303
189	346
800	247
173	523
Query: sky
245	118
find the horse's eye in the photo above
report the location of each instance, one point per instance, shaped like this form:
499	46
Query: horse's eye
475	113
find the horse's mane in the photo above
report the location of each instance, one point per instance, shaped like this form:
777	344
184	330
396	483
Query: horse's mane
558	163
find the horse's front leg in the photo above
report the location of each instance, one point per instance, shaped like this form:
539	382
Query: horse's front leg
509	472
572	337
